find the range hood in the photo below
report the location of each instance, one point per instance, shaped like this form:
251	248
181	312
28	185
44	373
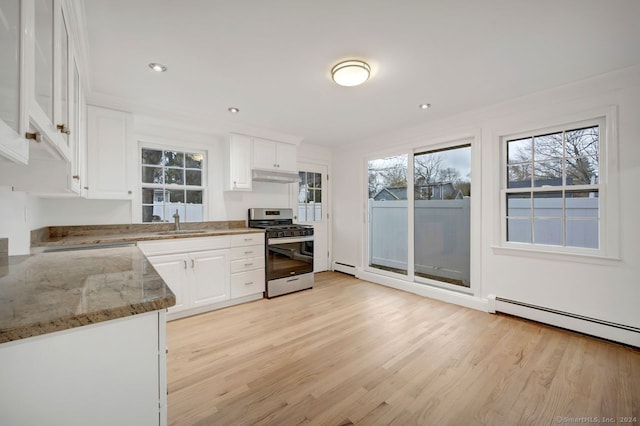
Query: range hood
275	176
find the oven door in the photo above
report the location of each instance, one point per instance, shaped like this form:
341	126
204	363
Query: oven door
289	256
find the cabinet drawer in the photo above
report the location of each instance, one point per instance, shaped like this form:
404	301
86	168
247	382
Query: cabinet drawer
247	264
247	239
246	283
247	251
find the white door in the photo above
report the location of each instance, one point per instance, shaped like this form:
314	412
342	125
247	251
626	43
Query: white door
311	208
211	282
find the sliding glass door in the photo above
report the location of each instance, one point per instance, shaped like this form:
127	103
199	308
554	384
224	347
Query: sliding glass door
387	212
442	193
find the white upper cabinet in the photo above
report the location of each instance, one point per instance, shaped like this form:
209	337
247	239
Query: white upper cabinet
41	100
238	163
48	58
272	155
111	154
13	145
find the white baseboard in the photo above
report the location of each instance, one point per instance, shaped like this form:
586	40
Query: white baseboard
448	296
593	327
344	268
202	309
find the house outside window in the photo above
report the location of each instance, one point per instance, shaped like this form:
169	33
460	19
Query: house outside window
552	187
172	181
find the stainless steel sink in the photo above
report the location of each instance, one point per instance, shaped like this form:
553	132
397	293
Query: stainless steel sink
181	232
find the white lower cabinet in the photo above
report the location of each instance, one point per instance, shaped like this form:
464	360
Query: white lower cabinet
108	373
210	279
210	272
172	269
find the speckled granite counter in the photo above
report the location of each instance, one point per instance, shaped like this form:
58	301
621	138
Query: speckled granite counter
56	236
49	292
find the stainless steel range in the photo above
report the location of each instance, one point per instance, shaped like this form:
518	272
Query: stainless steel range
289	251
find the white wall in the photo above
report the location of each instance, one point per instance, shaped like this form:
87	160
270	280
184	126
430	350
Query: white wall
19	214
607	290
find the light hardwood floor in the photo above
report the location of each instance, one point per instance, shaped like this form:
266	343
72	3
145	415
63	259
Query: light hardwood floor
352	352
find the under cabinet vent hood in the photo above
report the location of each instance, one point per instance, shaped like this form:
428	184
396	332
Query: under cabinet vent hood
275	176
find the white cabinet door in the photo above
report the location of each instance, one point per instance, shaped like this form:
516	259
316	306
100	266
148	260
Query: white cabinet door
239	164
173	270
13	145
111	156
272	155
287	157
210	277
264	154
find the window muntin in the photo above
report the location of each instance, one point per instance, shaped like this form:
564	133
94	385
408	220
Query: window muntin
552	188
310	197
172	181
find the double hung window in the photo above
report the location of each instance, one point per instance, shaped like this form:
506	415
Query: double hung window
172	181
552	188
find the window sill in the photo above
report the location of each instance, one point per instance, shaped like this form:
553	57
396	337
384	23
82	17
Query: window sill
550	254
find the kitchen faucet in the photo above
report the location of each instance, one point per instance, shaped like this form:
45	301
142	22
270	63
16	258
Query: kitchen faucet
176	217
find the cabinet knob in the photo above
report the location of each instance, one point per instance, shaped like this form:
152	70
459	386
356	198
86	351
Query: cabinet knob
129	192
63	129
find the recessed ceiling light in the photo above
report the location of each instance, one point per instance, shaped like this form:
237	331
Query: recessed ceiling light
425	106
351	73
157	67
234	110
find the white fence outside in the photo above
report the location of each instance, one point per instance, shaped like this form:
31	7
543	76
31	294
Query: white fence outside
442	230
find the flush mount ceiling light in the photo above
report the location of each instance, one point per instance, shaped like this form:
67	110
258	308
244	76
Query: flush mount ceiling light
233	110
351	73
425	106
157	67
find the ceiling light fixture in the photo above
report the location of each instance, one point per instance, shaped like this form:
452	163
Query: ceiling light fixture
425	106
234	110
351	73
157	67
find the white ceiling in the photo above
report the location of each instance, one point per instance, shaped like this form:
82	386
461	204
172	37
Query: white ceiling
271	58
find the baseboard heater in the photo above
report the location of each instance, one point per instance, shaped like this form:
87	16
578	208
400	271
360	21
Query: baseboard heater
588	325
344	268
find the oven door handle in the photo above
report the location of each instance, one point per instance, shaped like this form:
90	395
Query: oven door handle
276	241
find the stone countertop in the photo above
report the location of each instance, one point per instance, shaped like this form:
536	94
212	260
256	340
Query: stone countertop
53	237
50	292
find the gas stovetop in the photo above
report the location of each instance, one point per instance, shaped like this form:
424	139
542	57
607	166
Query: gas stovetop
278	223
285	231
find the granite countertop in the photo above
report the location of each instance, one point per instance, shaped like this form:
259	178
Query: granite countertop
65	236
50	292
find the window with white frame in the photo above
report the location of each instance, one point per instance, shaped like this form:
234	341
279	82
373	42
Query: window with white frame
172	181
552	188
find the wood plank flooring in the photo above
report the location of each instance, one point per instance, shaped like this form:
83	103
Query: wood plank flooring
352	352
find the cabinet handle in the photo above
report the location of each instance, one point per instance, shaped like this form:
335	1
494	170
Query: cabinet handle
63	129
248	252
185	264
248	264
76	177
36	136
249	283
248	239
193	263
